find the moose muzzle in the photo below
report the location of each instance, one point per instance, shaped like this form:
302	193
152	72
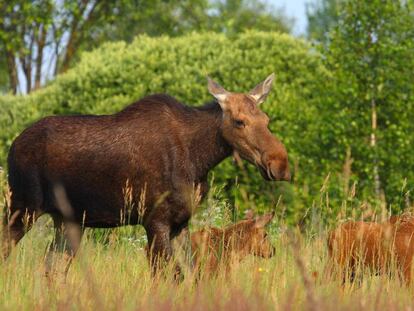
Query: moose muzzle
275	166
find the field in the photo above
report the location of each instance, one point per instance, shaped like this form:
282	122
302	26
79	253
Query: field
341	103
111	272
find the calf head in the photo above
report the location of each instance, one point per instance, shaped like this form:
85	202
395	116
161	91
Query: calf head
245	128
254	238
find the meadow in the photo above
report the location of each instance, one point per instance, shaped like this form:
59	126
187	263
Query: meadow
111	272
342	104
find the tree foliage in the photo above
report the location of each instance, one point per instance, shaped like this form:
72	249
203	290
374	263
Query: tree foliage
174	18
322	18
42	38
370	109
29	29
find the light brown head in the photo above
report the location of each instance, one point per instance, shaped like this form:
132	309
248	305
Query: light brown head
245	128
259	242
405	218
251	237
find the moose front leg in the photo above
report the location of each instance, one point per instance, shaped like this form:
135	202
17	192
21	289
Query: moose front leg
159	247
160	250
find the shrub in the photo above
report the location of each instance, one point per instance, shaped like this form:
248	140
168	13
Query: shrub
117	74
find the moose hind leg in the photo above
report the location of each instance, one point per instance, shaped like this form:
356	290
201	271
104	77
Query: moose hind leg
25	207
17	222
63	248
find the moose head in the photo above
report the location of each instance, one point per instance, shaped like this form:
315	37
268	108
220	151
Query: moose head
245	128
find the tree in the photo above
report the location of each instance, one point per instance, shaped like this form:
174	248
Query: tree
4	77
42	38
371	96
322	18
234	16
28	28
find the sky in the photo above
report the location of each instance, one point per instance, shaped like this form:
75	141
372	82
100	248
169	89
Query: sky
295	9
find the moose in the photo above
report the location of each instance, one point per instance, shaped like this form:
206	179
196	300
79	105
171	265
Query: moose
372	245
76	168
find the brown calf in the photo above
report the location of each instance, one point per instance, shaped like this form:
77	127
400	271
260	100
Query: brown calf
373	245
212	247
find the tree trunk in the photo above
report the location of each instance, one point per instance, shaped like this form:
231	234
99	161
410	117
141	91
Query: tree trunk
377	181
27	70
70	51
12	71
26	60
39	57
77	32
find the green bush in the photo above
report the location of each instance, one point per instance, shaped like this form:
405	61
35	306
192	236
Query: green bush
117	74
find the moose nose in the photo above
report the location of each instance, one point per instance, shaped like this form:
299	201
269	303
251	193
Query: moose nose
277	169
286	176
273	251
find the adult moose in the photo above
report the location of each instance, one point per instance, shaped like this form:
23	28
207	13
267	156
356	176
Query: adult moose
76	168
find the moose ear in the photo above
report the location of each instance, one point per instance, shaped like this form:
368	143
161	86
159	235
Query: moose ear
217	91
262	221
260	92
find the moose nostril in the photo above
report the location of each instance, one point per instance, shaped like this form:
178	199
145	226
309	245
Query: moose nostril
288	176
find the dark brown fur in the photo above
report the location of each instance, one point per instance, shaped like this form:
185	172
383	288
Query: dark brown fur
144	165
373	245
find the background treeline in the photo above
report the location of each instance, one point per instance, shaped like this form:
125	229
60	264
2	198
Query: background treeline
342	101
40	39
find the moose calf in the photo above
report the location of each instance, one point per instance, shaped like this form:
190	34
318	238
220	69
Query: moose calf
214	247
375	246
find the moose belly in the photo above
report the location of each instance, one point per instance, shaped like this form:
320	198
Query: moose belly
96	198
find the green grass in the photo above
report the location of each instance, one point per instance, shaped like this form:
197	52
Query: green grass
111	272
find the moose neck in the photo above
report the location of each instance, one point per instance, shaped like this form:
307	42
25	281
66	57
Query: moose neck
207	145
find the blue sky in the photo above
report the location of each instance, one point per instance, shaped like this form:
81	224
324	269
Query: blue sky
295	9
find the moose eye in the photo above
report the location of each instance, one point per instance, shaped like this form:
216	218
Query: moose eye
239	123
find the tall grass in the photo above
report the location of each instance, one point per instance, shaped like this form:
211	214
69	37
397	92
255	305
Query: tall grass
111	272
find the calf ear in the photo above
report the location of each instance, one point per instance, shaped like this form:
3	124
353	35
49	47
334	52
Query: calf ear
260	92
262	221
249	214
218	92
